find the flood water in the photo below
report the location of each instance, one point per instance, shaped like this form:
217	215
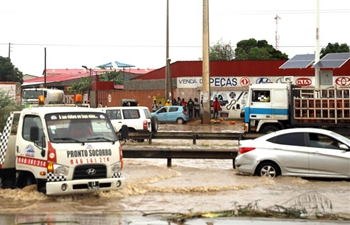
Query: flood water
190	185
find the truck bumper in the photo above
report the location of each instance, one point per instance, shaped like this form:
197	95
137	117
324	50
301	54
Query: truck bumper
83	186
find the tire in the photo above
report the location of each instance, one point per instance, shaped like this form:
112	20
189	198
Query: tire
180	121
269	129
154	124
25	179
268	169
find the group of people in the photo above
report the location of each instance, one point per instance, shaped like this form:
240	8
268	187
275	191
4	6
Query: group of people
193	106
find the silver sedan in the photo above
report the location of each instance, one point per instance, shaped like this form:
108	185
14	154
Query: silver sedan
303	152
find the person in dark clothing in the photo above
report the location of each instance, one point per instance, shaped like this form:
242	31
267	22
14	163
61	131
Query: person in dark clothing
190	106
196	108
216	108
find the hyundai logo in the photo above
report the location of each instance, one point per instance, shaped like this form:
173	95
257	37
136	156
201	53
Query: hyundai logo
91	171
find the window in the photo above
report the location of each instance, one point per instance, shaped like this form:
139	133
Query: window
28	123
131	113
173	109
261	96
295	139
322	141
114	114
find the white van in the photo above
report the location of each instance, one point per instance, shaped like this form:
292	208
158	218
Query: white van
136	118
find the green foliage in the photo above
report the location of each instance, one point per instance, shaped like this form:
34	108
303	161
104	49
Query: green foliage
112	76
81	86
252	49
221	51
8	72
7	104
334	48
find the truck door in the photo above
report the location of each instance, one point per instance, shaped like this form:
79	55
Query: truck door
260	106
30	152
279	104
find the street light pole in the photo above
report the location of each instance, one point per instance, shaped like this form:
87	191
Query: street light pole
167	54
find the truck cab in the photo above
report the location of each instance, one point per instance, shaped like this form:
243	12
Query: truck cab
61	150
266	108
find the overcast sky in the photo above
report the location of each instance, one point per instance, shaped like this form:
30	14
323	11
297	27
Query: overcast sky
91	33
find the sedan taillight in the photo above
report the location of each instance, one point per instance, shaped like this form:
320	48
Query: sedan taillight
243	150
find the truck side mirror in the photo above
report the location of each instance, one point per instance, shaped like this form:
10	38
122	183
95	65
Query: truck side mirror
34	134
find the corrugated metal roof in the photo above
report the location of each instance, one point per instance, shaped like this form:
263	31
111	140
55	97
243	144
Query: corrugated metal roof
235	68
59	75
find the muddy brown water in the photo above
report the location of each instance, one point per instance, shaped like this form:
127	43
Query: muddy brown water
190	185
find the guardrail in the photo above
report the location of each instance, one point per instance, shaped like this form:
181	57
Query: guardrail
194	135
185	152
181	152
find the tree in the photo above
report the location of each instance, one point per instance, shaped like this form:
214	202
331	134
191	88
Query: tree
81	86
8	72
252	49
221	51
7	104
112	76
334	48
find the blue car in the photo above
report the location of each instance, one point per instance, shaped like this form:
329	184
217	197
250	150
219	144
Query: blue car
172	114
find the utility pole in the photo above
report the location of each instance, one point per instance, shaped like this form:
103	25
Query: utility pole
167	61
317	45
45	67
9	50
206	115
277	37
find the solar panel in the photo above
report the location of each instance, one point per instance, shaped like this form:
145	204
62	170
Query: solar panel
333	60
299	62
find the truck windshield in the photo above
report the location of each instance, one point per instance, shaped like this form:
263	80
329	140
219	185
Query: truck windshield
79	127
32	94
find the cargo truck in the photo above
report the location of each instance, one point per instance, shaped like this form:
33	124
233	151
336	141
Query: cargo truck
61	150
52	96
276	106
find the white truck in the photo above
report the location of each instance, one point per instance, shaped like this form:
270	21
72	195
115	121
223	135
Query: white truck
52	96
276	106
63	150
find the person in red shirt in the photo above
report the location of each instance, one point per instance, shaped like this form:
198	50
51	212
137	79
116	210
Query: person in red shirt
216	108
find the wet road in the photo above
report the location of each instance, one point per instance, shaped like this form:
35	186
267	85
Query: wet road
190	185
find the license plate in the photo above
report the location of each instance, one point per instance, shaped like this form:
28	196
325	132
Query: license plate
93	186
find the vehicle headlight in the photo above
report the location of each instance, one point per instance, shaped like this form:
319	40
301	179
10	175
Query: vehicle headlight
116	167
60	170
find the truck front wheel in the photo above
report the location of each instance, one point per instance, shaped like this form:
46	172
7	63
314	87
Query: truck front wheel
269	129
25	179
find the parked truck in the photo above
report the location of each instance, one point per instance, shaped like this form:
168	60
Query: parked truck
62	150
275	106
52	96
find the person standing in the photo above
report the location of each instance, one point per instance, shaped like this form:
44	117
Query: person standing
168	103
154	106
174	101
216	108
183	103
190	105
196	108
160	105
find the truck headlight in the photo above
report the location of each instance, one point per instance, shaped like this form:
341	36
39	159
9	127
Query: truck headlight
116	167
60	170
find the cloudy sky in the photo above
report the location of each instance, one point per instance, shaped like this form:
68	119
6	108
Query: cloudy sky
91	32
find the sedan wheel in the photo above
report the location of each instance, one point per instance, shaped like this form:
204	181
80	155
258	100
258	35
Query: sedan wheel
268	170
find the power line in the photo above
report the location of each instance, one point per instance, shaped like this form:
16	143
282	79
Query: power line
132	46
